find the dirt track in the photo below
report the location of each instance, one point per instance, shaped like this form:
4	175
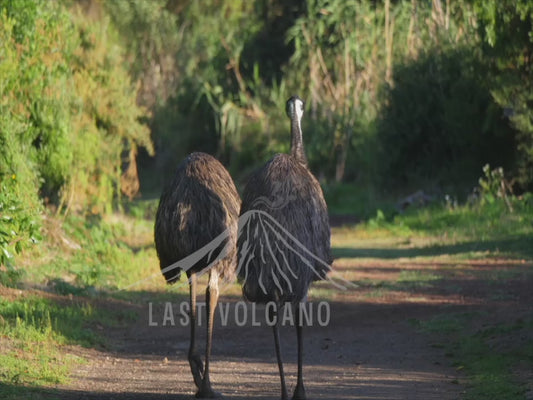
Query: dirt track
369	350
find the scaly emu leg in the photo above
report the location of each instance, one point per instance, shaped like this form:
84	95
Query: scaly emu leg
299	391
197	367
275	327
211	299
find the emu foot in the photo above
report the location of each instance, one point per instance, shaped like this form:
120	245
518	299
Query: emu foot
208	393
197	369
299	393
299	397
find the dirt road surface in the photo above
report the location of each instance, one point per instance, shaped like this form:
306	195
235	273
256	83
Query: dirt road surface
370	349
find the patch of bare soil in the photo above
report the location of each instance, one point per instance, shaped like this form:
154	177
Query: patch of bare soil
368	350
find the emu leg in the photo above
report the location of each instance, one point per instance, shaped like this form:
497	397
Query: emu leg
299	391
197	367
275	327
211	299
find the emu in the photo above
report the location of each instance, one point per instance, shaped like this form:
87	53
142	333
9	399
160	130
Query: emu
200	204
288	214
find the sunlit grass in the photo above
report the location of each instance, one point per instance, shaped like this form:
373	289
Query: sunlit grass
34	332
417	278
469	231
114	257
80	256
323	291
488	355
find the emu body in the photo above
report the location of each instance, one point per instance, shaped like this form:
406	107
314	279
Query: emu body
277	271
290	195
200	203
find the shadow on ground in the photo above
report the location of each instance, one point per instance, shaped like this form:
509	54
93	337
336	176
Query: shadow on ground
369	348
521	246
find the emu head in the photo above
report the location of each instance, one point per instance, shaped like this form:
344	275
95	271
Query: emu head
295	108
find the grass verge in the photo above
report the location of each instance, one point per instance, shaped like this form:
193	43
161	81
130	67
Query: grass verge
475	230
34	332
84	258
493	356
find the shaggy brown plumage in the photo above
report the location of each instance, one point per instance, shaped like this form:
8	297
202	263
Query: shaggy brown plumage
284	235
285	190
199	204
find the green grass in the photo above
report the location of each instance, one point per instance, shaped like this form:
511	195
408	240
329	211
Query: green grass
33	331
474	231
143	208
40	365
82	261
488	355
478	219
322	291
407	281
444	323
417	278
63	320
84	258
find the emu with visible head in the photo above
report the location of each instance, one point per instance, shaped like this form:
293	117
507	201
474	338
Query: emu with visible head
198	206
285	191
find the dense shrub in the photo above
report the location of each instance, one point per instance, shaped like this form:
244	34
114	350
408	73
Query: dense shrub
506	32
218	73
68	114
440	122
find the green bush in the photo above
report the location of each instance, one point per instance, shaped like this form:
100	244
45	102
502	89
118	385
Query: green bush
19	226
397	91
68	117
440	123
506	32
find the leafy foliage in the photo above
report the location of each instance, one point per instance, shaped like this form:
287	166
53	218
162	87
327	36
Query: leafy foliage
106	124
506	30
440	120
150	39
67	114
399	93
18	228
492	185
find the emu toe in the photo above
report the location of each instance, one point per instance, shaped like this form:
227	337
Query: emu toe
299	393
208	393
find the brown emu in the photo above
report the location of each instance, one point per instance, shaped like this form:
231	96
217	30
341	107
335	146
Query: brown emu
285	243
199	205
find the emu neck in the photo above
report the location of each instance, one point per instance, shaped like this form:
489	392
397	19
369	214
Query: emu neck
297	146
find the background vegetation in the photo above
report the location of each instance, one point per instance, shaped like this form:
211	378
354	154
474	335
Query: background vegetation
401	95
99	101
